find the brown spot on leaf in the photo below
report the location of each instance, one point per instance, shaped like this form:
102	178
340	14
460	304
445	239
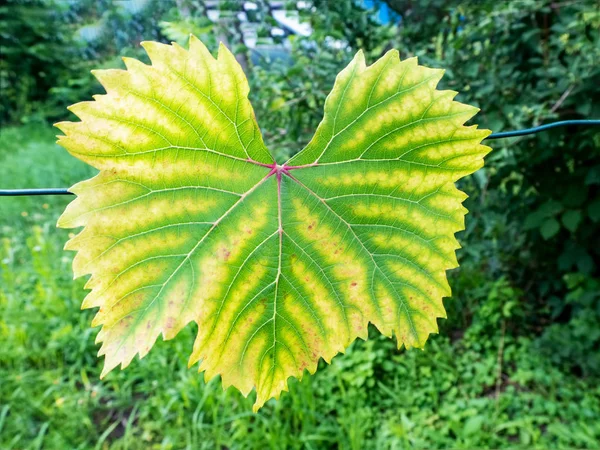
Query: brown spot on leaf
170	322
224	253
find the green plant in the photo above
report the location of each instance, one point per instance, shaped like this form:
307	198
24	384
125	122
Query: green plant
533	208
190	219
522	62
373	397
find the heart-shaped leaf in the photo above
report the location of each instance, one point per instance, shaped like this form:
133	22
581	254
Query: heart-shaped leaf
190	219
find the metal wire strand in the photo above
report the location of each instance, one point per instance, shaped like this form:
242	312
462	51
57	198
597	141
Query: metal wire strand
21	192
504	134
526	131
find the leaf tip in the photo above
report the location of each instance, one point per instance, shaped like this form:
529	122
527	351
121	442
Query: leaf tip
62	126
146	44
129	62
359	59
105	371
412	61
177	47
392	53
224	52
63	223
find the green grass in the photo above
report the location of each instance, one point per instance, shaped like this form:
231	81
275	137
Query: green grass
447	396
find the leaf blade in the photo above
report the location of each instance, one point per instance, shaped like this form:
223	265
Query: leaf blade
191	220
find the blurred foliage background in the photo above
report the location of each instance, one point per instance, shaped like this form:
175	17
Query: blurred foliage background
517	362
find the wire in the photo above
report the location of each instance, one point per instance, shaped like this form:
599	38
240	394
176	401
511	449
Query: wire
501	135
562	123
19	192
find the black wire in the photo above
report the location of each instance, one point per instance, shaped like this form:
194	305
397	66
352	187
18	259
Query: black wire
562	123
48	191
505	134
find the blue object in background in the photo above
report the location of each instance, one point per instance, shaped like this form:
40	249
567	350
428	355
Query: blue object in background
384	14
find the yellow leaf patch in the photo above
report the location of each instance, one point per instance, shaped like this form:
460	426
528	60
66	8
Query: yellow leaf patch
191	219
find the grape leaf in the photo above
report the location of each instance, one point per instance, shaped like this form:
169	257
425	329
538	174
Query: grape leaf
191	220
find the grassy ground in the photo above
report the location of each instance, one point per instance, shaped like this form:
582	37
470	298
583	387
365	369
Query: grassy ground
480	389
